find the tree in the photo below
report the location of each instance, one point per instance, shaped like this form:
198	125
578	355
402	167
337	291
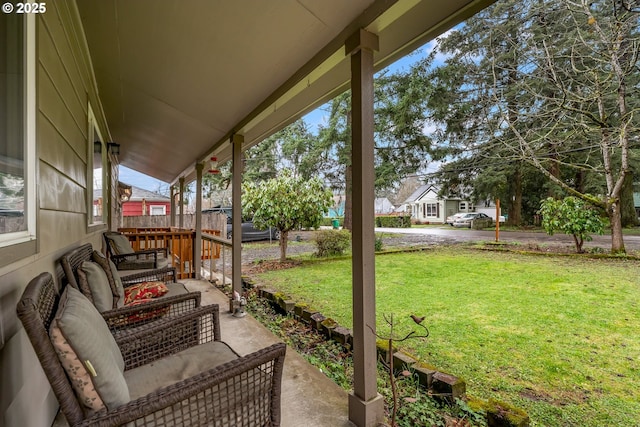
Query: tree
550	84
286	203
571	215
583	90
400	143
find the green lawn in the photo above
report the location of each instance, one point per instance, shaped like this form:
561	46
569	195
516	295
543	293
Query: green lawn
558	337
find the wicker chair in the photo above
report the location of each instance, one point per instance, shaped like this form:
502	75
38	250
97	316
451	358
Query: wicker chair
178	300
240	391
119	250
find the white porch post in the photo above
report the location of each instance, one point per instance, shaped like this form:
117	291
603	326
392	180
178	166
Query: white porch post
181	203
236	216
172	212
197	245
365	404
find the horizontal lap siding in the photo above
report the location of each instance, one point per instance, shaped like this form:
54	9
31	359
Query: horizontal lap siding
65	86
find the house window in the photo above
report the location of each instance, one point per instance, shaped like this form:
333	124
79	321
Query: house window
463	206
96	168
157	210
431	209
17	129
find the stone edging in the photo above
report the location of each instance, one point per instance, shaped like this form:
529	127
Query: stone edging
439	384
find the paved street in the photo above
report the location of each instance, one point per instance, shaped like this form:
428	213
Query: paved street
448	234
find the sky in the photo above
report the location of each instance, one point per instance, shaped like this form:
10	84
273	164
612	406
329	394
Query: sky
316	117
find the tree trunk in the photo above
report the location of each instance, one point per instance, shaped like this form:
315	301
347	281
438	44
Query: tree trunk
515	205
284	235
348	198
627	208
617	243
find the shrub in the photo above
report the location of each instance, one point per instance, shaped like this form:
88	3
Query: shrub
378	243
332	242
393	221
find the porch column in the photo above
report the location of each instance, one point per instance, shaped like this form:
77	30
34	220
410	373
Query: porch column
181	203
236	216
197	245
172	211
365	404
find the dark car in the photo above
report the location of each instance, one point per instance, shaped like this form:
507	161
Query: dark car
249	232
11	213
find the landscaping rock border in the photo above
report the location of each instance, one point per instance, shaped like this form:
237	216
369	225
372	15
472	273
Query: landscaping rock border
442	385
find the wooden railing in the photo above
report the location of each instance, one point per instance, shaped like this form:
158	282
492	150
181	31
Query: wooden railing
222	245
179	245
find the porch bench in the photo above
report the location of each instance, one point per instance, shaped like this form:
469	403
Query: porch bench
173	372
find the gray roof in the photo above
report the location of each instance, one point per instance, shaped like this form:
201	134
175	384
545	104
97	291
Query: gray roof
418	193
138	193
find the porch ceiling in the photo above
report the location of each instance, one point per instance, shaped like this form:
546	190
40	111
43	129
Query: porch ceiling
177	77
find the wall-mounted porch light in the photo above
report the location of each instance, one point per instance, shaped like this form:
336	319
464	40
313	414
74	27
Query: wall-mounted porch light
97	147
114	148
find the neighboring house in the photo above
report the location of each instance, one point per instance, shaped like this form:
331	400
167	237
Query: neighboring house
426	206
144	202
636	203
383	206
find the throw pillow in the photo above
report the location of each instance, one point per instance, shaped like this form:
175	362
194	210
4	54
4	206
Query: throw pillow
86	332
120	244
112	275
144	290
76	371
91	275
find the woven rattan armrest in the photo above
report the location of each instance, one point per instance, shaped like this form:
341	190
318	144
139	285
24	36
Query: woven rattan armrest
166	275
167	306
242	393
168	335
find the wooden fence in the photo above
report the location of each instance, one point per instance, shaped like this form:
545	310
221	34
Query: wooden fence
210	221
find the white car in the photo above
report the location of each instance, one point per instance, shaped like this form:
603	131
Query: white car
451	219
465	221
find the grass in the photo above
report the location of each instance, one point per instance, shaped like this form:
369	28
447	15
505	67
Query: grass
558	337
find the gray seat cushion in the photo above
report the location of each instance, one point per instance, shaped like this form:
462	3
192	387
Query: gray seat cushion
175	289
170	370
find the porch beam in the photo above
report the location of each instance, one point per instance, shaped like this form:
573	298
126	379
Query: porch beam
365	404
236	216
197	245
181	203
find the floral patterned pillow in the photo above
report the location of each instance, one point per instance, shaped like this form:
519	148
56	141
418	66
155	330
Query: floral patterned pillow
144	291
77	372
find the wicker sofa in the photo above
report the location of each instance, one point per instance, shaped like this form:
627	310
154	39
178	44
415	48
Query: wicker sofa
177	300
172	372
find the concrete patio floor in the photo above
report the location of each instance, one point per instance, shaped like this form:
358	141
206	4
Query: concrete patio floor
309	398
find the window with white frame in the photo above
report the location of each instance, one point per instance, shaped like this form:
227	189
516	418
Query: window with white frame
96	168
463	206
17	129
157	210
431	209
